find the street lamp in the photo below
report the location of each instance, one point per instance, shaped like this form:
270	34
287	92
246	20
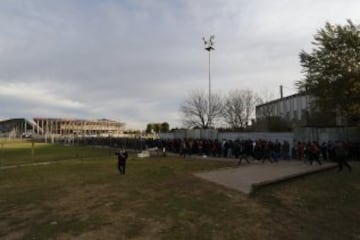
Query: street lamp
209	46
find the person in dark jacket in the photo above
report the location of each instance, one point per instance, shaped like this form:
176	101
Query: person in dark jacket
243	153
122	157
340	155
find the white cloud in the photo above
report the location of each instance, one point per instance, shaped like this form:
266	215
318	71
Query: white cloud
37	95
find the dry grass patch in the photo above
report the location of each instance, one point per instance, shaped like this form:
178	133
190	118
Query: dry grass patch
159	198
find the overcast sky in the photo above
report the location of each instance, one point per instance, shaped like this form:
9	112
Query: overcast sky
136	61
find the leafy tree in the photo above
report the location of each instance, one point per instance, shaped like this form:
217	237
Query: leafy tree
157	127
332	70
149	128
164	127
196	111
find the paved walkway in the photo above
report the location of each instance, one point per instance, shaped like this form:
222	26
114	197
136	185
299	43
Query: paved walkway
248	177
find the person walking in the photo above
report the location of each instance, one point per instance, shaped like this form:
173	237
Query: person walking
266	149
122	157
340	155
243	153
314	153
183	148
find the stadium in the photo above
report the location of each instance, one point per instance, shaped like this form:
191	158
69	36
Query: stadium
23	127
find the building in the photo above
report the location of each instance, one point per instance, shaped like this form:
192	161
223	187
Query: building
61	126
19	127
299	110
294	108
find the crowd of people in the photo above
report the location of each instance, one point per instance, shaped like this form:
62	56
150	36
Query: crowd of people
260	149
263	150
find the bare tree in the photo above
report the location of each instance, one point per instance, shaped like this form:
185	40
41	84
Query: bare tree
239	108
196	112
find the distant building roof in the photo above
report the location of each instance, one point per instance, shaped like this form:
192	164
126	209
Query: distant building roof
281	99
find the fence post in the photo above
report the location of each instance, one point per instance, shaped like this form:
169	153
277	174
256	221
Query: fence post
32	149
2	153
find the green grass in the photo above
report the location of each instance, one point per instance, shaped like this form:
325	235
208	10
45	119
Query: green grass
159	198
23	152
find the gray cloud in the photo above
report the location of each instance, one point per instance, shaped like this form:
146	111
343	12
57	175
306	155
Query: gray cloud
136	60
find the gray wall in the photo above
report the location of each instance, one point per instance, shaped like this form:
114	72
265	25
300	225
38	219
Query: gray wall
299	134
214	134
326	134
191	133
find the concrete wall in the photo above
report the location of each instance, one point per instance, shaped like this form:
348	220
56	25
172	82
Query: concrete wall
299	134
214	134
280	136
191	133
326	134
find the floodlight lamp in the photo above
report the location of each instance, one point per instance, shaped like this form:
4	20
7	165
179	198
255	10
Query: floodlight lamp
211	40
209	43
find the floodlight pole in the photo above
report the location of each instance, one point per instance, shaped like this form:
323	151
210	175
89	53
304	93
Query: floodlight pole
209	47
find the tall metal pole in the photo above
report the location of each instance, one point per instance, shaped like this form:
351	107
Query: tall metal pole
209	92
209	46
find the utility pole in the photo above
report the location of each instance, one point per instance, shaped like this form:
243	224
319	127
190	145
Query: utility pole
209	46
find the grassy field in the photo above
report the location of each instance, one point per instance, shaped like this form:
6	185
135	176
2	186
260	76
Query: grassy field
159	198
24	152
